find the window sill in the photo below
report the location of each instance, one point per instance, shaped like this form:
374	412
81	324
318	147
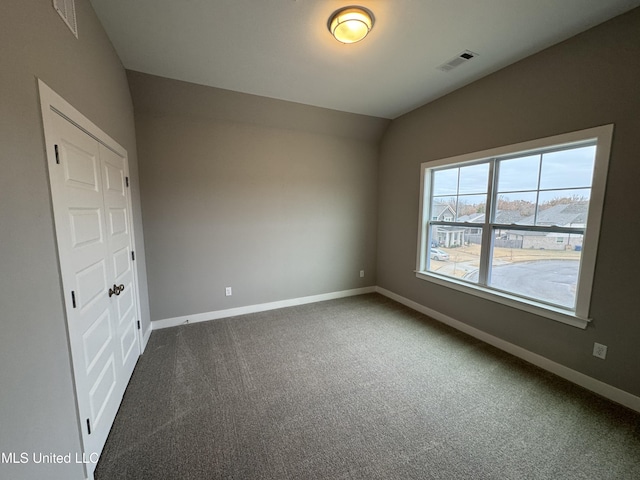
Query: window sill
530	306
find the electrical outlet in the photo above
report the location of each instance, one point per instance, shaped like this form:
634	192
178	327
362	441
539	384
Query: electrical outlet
361	273
599	350
228	292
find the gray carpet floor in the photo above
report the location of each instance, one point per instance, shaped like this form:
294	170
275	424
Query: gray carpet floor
356	388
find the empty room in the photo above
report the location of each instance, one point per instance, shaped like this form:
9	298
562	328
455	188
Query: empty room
295	239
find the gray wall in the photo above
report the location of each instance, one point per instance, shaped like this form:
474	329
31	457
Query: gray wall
272	198
589	80
279	200
36	391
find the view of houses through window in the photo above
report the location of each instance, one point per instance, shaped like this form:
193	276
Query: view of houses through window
514	224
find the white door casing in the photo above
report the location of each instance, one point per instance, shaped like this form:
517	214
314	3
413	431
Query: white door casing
88	174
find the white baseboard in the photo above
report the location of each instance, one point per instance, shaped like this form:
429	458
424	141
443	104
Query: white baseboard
612	393
261	307
146	336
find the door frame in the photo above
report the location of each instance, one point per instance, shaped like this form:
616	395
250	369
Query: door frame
51	102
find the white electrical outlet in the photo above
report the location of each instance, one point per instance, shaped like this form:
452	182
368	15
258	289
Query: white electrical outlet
361	273
228	292
599	350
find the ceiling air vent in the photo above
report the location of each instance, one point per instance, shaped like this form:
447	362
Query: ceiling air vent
67	10
457	61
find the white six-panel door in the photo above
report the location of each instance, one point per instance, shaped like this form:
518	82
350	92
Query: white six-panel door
89	188
119	244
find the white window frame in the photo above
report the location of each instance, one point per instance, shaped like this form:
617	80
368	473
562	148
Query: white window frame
579	317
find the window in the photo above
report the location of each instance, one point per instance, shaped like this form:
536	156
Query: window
518	224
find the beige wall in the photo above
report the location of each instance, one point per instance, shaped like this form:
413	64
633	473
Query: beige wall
589	80
272	198
37	409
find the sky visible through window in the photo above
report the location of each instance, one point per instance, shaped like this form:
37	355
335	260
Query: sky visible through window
524	183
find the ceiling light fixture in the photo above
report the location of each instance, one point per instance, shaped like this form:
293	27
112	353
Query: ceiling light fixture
350	24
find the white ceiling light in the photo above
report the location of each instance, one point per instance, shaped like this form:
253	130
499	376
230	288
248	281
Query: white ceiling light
351	24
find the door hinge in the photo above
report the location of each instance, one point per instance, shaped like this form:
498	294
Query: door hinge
126	179
133	255
138	324
88	427
73	298
57	154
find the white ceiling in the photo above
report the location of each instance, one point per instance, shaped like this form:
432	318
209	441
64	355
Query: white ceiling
283	49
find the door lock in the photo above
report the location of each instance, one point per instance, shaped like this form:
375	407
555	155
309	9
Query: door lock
116	290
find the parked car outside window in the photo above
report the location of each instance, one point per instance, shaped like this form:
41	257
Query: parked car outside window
437	254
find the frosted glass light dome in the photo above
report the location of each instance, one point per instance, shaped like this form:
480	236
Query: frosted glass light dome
351	24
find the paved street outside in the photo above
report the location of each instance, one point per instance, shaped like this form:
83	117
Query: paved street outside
553	281
548	275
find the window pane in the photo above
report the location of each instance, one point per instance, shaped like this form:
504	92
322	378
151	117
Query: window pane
518	208
455	251
568	168
471	208
445	182
474	178
443	209
537	265
518	174
564	208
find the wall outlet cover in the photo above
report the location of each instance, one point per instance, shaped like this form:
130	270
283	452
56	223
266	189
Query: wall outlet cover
599	350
